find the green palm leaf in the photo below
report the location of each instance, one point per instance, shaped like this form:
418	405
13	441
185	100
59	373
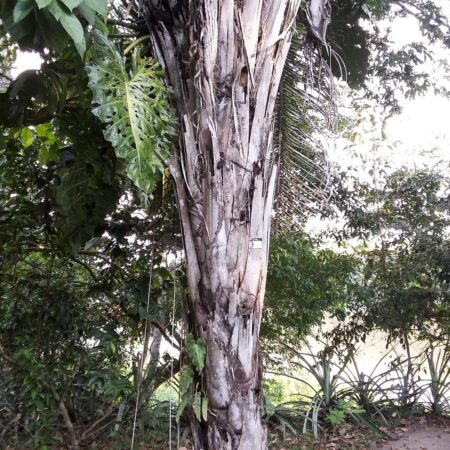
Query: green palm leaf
134	105
305	110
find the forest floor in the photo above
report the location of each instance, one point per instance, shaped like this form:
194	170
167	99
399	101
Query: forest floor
416	433
420	434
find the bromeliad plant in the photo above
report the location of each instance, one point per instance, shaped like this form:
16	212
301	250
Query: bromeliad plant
329	392
338	394
369	390
438	389
403	379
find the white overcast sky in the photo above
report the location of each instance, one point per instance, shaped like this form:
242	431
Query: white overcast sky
421	132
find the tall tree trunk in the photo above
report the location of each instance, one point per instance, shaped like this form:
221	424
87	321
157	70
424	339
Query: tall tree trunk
224	60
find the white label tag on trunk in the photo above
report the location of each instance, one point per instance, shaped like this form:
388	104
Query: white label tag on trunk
255	243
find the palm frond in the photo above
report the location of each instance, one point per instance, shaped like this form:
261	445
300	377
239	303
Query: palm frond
306	116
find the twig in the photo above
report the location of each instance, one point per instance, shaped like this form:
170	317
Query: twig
2	75
121	23
88	432
81	263
166	336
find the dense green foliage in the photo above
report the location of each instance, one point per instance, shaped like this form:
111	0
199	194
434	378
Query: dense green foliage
41	24
304	284
80	246
404	222
133	102
71	313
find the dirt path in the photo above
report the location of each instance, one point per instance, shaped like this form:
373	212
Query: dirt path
419	435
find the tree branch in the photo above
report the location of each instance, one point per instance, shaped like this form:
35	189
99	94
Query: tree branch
81	263
124	24
166	336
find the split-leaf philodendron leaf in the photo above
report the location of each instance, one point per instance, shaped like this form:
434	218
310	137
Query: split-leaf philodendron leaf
133	104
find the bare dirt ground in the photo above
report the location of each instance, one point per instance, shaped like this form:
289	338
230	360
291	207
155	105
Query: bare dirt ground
419	434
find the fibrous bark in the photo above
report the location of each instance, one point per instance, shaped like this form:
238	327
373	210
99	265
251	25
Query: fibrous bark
224	60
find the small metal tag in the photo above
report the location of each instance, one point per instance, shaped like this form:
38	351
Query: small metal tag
255	243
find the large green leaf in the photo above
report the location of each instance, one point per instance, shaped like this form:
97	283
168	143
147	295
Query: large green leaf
186	379
34	97
22	9
134	105
26	137
205	408
43	3
71	25
87	13
99	6
197	352
71	4
198	406
186	399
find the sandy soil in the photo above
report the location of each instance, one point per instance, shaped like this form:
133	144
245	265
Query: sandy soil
419	435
